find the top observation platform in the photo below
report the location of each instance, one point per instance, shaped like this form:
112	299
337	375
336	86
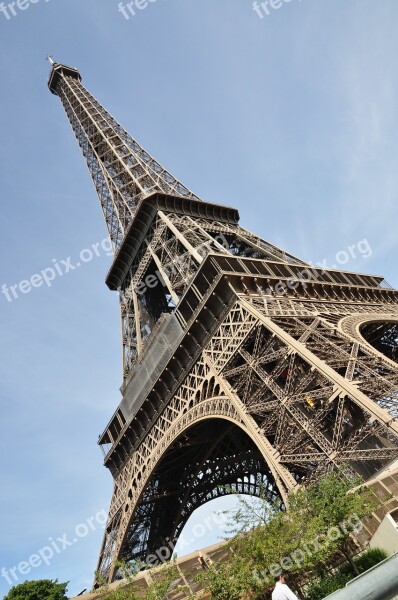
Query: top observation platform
57	72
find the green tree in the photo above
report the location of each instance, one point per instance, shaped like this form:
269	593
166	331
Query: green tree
43	589
335	504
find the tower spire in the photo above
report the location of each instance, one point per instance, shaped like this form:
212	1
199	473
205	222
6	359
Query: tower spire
122	171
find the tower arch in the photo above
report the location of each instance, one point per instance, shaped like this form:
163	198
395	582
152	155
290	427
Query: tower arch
212	455
379	332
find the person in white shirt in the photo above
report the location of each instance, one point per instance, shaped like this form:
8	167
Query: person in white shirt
282	591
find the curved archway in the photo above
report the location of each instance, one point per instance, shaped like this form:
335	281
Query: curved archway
377	332
211	458
383	336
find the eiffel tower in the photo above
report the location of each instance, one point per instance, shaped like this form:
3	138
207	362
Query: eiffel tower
243	366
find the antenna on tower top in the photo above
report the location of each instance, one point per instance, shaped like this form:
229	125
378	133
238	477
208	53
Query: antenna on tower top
50	59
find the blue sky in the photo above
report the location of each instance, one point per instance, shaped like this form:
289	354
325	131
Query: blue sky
291	118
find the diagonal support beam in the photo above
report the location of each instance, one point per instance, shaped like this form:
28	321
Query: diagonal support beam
343	384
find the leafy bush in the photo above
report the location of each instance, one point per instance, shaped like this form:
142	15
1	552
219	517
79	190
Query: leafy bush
229	580
43	589
164	580
364	561
370	558
121	594
327	585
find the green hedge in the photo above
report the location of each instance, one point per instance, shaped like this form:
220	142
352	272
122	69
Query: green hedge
327	583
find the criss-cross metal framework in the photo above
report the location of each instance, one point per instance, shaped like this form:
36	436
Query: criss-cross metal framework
243	366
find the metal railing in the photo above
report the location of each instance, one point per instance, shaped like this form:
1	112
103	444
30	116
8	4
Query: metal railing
384	284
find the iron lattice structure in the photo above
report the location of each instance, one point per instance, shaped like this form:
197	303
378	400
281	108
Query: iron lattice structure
242	365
